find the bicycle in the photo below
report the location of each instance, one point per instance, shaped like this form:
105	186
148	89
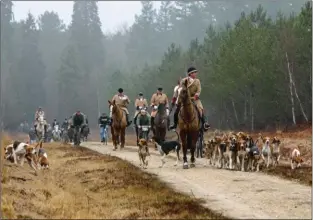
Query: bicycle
144	131
104	134
77	136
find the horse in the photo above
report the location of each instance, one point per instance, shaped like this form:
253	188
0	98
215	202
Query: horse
56	133
48	134
40	129
118	126
189	125
65	136
85	132
32	136
160	122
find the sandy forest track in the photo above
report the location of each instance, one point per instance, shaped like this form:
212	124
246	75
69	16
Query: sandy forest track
234	194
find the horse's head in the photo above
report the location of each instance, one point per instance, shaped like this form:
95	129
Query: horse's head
114	106
184	92
41	119
56	127
161	108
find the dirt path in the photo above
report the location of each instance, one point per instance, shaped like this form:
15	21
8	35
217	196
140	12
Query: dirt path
235	194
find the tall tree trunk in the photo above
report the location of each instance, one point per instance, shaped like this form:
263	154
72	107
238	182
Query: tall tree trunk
252	110
235	111
245	117
301	107
291	92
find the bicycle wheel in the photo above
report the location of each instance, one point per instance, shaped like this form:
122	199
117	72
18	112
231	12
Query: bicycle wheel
77	137
105	137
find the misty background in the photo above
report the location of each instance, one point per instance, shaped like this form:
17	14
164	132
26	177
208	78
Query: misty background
254	59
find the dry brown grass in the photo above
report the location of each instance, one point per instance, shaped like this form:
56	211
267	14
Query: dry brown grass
84	184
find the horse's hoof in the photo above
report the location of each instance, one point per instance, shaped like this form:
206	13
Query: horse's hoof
185	166
192	165
114	149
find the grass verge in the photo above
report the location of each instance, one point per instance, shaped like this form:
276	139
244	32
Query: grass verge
85	184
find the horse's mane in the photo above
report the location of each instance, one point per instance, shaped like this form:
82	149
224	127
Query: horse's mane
161	108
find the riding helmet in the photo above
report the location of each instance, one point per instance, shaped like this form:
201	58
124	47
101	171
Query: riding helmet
140	94
160	89
120	90
191	70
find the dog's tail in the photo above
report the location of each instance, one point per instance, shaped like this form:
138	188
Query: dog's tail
177	136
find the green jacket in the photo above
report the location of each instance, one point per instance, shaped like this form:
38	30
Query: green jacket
143	119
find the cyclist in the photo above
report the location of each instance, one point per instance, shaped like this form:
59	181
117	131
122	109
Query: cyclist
79	120
103	122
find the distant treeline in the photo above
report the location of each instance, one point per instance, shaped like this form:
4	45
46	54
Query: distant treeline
254	60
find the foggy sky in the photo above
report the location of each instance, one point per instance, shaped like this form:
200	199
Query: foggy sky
112	13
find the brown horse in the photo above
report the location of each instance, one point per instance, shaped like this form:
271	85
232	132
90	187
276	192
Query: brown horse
189	125
160	122
118	126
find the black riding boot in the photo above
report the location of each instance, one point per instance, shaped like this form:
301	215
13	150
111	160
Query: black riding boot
128	122
205	125
152	125
168	122
137	137
174	126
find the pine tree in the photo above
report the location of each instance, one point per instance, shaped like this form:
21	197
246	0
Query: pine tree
29	73
82	60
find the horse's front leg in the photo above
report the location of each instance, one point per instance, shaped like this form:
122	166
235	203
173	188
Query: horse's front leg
193	143
122	136
114	137
184	146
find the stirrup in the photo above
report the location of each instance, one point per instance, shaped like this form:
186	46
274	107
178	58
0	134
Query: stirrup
206	126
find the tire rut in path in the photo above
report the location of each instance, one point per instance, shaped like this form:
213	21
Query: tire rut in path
234	194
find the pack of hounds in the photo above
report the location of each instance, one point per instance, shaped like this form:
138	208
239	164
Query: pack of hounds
234	151
35	155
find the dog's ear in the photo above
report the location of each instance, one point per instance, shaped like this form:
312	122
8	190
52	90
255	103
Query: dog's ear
26	146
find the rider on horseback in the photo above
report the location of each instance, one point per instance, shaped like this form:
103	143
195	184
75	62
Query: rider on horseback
121	100
39	113
177	90
54	123
65	124
194	87
158	98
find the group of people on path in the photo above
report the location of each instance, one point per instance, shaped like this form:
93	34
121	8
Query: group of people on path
142	116
77	120
141	104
